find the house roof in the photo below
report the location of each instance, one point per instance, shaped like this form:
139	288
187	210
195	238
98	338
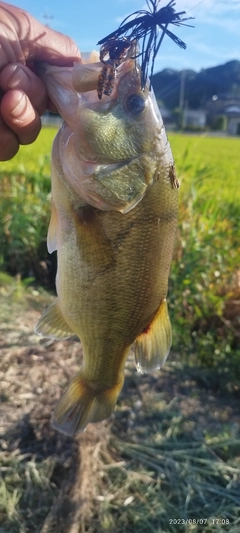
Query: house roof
232	109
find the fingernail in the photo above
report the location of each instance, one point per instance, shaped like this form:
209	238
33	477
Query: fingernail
21	107
18	79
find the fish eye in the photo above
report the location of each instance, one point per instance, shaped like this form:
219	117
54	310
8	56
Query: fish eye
135	104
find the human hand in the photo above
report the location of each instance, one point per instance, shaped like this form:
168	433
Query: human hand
24	42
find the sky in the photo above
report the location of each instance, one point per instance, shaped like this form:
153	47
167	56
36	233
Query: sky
214	40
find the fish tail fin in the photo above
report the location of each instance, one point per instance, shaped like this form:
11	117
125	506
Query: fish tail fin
82	403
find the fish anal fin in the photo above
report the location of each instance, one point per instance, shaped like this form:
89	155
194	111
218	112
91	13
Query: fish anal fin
153	345
52	230
81	404
52	323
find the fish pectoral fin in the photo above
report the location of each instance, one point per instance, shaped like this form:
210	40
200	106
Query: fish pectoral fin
96	248
153	345
52	231
52	324
81	404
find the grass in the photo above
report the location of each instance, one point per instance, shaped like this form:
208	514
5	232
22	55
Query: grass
204	282
32	159
179	482
169	458
25	207
26	492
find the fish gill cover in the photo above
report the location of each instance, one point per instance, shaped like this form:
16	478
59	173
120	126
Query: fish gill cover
148	27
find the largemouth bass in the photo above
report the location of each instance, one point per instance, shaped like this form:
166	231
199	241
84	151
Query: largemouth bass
113	223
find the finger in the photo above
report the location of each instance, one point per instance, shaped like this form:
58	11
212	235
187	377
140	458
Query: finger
26	39
20	116
10	45
9	144
17	76
51	107
51	46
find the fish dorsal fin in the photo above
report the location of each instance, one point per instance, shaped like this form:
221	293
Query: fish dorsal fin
153	345
52	324
52	231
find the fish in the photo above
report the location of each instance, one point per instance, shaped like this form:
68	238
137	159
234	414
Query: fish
113	224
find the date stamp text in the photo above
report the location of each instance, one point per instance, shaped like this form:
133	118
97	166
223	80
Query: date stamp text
199	521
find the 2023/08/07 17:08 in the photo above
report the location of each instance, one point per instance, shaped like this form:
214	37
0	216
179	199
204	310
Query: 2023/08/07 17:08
200	521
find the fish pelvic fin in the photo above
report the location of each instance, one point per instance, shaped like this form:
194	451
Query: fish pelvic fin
82	403
153	345
52	323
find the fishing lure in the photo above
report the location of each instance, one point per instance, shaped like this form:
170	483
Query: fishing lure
146	25
112	53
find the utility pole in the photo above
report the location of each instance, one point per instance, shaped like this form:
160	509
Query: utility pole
182	90
182	98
